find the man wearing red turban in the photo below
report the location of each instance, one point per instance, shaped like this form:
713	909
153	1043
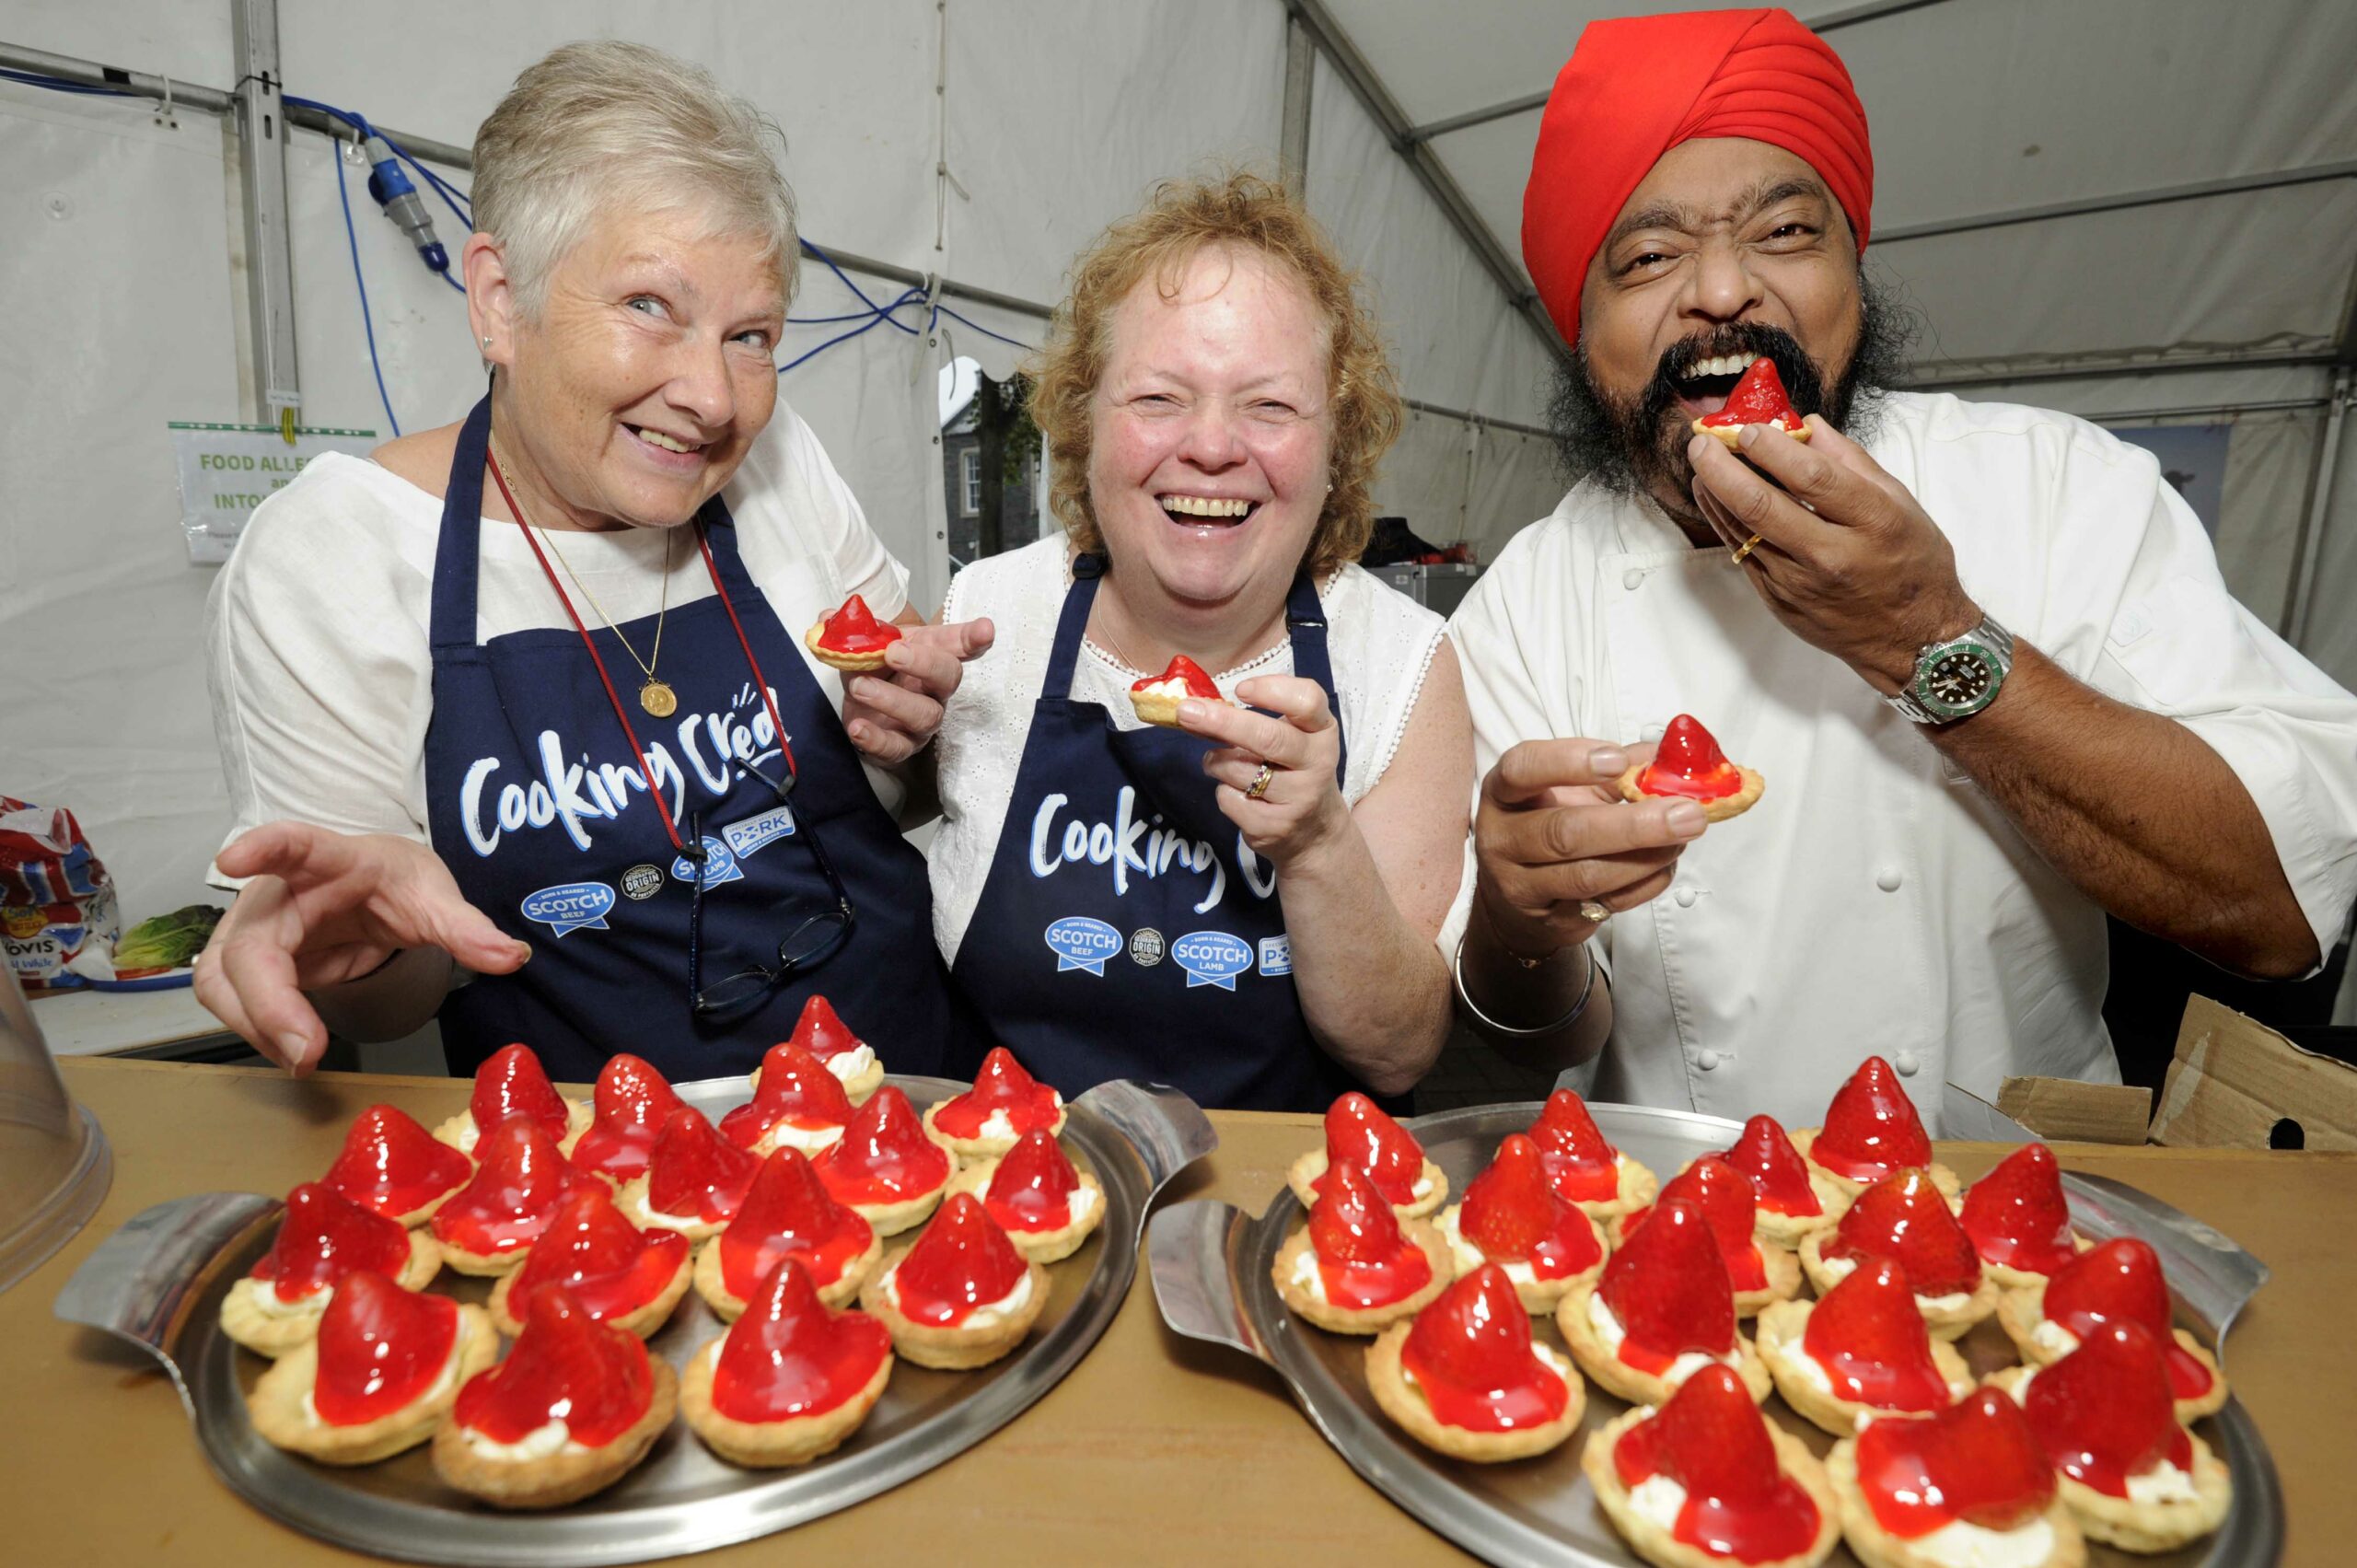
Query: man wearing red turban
1981	653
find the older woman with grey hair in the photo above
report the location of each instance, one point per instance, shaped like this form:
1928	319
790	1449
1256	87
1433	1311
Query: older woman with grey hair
533	685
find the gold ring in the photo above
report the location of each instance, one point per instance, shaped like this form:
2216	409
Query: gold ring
1260	781
1745	549
1594	913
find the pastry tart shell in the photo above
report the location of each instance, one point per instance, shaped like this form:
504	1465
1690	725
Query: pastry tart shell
1878	1548
1658	1546
972	1151
633	1204
1617	1376
1312	1307
1156	707
275	1403
1312	1165
2011	1278
556	1478
956	1348
1387	1380
643	1319
1539	1296
1805	1140
772	1444
1038	1246
272	1335
1782	1331
1720	810
857	1087
1779	1264
855	663
712	1283
578	1115
1945	1322
2020	1311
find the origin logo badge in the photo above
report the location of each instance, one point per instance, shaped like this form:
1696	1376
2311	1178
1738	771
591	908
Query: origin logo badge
1080	943
642	882
571	906
1145	946
1211	958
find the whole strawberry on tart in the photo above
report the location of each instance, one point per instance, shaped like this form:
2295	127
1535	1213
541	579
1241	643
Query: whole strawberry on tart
1662	1311
1357	1267
1360	1131
322	1240
1795	1199
1465	1379
989	1119
1861	1351
1759	1271
1582	1164
1903	1217
961	1296
790	1380
821	1031
787	1213
391	1165
631	1101
512	1083
1511	1215
1871	1129
385	1367
2119	1281
1047	1205
1686	762
2020	1220
1968	1483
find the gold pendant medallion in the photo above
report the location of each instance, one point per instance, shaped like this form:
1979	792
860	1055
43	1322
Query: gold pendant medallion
658	699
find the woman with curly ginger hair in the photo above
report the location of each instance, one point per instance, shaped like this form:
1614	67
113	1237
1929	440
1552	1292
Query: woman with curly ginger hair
1242	902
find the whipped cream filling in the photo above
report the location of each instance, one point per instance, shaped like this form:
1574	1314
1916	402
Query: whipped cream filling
989	1314
1469	1257
809	1140
1839	1268
849	1064
537	1444
264	1297
1081	1203
443	1382
1960	1543
1657	1500
1609	1330
1793	1354
1174	687
2052	1338
2164	1483
1305	1275
641	1214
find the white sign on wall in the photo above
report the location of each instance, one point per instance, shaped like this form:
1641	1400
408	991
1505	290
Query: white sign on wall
227	470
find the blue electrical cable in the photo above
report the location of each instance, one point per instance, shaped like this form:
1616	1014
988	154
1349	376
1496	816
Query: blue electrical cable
60	85
352	237
1018	342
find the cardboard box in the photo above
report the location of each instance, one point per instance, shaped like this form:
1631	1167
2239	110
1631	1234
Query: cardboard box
2066	1110
2237	1083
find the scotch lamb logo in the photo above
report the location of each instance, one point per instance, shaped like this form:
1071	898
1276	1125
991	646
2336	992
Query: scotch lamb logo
719	864
1211	958
1080	943
571	906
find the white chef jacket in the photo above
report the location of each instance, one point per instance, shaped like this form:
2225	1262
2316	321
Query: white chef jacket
1876	900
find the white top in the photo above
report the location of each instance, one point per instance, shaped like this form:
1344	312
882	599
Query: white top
318	630
1876	900
1380	641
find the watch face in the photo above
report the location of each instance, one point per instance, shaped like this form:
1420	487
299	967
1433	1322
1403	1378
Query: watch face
1961	680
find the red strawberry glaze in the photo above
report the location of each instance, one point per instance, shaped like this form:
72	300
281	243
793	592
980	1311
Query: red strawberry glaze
883	1156
324	1237
1728	1202
2120	1282
564	1360
1667	1288
1513	1215
1758	399
381	1348
1032	1187
1978	1461
789	1356
2104	1411
796	1089
1712	1440
1687	761
789	1213
1358	1131
962	1261
392	1167
1584	1168
632	1101
611	1267
1002	1085
513	1083
2016	1215
695	1172
1871	1128
1777	1171
1903	1217
854	629
1469	1353
1181	668
821	1031
1364	1260
515	1192
1869	1336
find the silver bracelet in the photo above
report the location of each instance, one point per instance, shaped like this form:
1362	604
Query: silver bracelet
1588	987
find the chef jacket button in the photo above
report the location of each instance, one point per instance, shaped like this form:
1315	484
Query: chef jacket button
1651	732
1907	1063
1685	897
1630	579
1707	1060
1888	878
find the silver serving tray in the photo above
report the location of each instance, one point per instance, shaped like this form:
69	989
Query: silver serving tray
1210	1263
158	1282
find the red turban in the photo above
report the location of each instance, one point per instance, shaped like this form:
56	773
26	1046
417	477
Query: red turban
1637	86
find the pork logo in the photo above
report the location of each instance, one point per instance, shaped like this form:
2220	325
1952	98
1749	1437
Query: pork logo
1276	955
571	906
1211	958
719	864
1080	943
764	828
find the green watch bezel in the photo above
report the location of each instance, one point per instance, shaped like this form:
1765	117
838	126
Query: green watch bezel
1920	688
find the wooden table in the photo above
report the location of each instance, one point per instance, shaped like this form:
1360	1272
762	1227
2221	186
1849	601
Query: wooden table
1155	1450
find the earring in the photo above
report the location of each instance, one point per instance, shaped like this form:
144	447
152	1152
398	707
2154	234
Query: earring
486	342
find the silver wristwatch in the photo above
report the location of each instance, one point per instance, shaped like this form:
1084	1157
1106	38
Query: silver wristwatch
1957	678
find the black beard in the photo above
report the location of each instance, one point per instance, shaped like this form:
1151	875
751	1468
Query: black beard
1637	446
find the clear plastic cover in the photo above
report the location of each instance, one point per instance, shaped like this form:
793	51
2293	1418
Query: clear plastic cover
54	1166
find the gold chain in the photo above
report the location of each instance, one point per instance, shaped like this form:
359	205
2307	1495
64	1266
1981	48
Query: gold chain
646	666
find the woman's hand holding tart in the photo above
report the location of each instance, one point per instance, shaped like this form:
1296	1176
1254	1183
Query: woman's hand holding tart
1358	1129
2131	1472
2019	1219
512	1083
1047	1205
1465	1380
1155	698
619	1273
1004	1103
490	1224
1903	1217
790	1380
1759	1271
1962	1486
1794	1197
1705	1480
2119	1281
1357	1267
885	1168
1871	1128
1861	1352
695	1180
322	1240
1687	762
962	1297
851	639
821	1031
796	1104
392	1167
385	1367
1511	1215
576	1404
788	1214
1585	1167
632	1102
1661	1311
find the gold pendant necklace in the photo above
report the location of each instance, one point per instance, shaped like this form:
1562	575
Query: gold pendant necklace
656	694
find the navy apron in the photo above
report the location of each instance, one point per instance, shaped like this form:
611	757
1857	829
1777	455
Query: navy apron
537	804
1125	931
